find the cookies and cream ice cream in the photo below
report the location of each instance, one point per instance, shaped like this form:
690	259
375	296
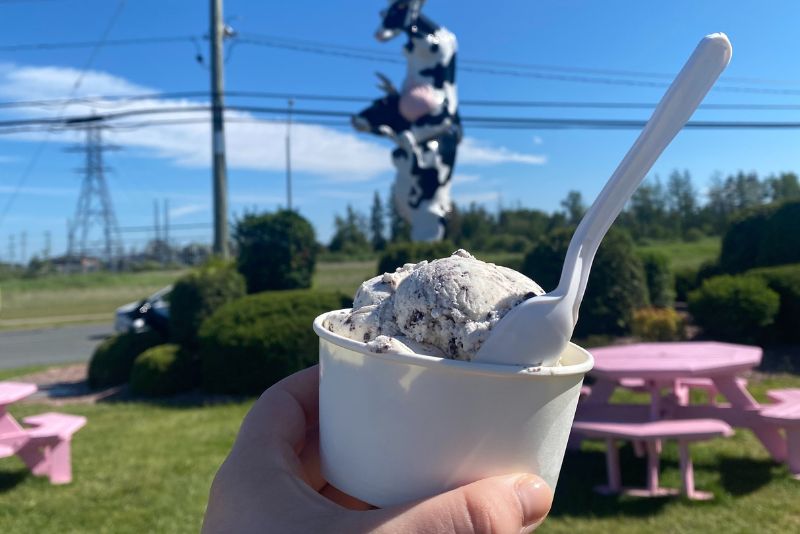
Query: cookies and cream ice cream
444	308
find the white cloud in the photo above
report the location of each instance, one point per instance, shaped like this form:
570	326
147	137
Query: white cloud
188	209
475	152
252	143
537	140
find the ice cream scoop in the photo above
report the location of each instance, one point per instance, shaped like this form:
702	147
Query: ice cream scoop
539	329
445	307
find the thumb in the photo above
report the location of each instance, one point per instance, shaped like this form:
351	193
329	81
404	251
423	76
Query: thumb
497	505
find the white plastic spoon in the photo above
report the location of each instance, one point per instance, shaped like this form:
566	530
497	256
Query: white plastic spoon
538	330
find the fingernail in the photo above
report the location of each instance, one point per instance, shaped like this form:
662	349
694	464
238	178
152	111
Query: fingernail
535	497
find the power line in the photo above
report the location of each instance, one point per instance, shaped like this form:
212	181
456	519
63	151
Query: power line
37	153
313	116
94	44
467	65
121	100
494	63
479	66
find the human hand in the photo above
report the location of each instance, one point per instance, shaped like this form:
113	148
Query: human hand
271	482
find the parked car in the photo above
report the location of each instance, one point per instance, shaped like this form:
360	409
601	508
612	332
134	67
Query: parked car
151	312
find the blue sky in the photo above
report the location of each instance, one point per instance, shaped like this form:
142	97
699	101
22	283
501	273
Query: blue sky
336	166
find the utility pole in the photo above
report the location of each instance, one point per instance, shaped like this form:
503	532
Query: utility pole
167	250
47	245
216	36
289	156
156	223
11	248
23	248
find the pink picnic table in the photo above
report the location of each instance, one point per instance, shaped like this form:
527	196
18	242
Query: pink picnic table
12	435
44	445
661	364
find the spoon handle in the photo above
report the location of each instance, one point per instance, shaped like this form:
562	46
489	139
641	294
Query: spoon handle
678	104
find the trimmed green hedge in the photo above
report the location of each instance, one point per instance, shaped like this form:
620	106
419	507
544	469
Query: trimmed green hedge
398	254
113	359
616	284
734	308
163	370
250	344
197	295
785	281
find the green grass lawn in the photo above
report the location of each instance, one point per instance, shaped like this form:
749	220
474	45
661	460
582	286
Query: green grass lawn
687	255
142	467
61	299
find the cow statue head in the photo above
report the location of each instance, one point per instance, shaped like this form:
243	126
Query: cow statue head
400	15
383	113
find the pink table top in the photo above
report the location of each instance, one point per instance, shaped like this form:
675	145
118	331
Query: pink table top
667	361
11	392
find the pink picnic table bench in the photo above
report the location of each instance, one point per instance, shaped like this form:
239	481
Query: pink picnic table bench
44	445
676	367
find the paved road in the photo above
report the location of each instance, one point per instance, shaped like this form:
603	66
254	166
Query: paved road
50	345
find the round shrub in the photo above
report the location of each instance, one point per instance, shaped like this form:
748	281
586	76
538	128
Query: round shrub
276	251
113	359
398	254
616	285
735	308
785	281
657	324
197	295
163	370
250	344
659	278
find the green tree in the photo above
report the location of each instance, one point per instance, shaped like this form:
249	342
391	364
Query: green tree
682	201
377	224
399	229
785	186
350	235
574	207
646	215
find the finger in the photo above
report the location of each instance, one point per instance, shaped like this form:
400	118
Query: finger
505	504
283	412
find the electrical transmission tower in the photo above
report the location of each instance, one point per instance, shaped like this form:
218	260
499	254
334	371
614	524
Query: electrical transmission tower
94	206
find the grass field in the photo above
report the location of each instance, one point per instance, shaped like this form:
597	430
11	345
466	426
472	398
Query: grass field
60	299
687	255
142	467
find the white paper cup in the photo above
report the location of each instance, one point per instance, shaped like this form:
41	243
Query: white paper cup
399	427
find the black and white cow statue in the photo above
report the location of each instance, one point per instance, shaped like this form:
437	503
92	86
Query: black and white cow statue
422	118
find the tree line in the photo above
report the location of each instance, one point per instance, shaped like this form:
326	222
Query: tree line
671	209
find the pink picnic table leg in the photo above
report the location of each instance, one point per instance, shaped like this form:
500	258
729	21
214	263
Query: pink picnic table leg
740	398
36	458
